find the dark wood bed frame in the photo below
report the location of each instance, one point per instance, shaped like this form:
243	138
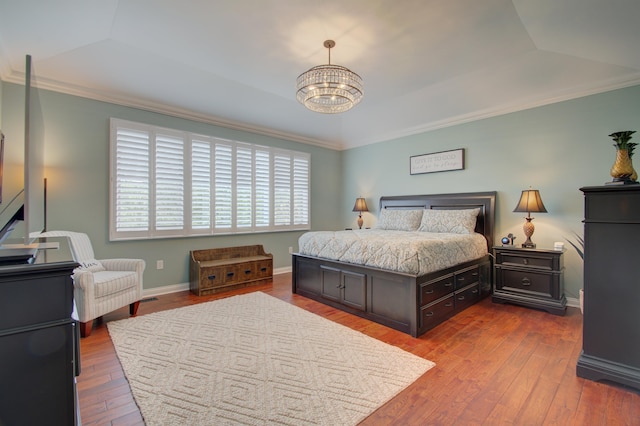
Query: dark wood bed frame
409	303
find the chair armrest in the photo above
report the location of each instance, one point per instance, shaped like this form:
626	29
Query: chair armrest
84	280
136	265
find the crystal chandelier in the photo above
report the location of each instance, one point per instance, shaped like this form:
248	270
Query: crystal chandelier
329	89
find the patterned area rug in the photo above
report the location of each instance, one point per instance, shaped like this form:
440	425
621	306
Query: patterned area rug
256	360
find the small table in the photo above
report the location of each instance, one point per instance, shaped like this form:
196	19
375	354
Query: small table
529	277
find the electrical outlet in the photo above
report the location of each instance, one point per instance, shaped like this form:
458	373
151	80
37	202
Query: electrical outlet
160	264
290	250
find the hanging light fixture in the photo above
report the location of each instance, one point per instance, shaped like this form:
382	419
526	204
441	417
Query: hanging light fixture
329	89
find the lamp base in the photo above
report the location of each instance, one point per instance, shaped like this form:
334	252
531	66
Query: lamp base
528	245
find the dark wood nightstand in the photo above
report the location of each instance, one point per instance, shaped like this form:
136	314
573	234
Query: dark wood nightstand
529	277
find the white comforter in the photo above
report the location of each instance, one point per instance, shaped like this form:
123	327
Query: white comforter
411	252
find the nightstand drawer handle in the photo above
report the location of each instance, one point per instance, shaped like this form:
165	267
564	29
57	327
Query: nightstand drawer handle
526	281
449	284
428	291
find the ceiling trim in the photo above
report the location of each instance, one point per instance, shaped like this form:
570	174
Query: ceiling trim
133	102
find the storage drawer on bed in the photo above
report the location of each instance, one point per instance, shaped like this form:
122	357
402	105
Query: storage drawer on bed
468	277
467	297
434	290
433	314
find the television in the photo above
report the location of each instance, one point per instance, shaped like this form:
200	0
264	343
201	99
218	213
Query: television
22	185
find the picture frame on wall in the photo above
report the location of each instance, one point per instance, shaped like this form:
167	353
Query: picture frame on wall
437	162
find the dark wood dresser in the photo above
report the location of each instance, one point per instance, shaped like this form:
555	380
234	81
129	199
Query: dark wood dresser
611	332
39	355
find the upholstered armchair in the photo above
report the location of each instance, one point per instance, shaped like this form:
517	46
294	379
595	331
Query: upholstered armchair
101	286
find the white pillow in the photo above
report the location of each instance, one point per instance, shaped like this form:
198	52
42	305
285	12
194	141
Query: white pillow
399	220
449	221
91	265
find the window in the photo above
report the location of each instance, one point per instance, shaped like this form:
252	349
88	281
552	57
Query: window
167	183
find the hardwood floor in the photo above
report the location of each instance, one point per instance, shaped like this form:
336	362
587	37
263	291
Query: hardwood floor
495	365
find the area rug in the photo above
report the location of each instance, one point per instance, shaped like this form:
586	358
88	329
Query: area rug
256	360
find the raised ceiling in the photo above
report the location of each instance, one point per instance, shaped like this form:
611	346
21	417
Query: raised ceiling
426	64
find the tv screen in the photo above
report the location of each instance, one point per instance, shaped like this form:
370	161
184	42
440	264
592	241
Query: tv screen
22	202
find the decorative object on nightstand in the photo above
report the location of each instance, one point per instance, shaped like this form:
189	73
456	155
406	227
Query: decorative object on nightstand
622	170
530	202
530	277
360	206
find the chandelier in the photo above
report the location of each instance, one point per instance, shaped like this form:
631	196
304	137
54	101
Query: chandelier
329	89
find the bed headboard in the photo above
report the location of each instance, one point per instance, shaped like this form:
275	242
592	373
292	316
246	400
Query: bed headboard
486	201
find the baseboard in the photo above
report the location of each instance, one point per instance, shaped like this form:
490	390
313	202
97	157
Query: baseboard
175	288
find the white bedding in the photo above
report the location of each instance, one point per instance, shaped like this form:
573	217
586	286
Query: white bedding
412	252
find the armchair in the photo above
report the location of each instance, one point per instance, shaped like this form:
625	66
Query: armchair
101	286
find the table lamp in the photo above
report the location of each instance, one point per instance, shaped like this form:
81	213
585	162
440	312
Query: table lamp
360	206
530	201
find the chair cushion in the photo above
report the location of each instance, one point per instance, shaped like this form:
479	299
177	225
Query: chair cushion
110	282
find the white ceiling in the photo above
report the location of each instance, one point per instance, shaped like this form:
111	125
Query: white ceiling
426	64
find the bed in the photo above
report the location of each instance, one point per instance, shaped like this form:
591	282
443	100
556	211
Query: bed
399	287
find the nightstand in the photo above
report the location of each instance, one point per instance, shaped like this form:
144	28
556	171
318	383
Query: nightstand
529	277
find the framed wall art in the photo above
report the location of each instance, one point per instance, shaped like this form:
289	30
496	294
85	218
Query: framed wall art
437	162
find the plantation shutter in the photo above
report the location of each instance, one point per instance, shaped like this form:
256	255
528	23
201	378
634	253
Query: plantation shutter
167	183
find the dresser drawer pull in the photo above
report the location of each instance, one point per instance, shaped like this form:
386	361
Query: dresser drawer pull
461	279
525	261
475	274
263	269
526	281
212	277
428	314
247	271
230	274
474	291
449	284
460	297
448	304
428	291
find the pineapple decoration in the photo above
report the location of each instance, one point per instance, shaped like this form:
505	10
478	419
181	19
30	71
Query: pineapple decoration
622	170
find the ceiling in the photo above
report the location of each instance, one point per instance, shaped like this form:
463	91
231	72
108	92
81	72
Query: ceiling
426	64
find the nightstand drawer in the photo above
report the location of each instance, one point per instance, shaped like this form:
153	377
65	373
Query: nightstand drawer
526	282
435	289
526	259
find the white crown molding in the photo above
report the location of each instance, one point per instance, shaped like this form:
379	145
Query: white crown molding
133	102
626	81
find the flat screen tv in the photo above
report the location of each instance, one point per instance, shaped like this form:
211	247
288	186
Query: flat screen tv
22	186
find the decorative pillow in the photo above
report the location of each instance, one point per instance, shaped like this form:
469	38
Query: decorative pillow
449	221
91	265
399	220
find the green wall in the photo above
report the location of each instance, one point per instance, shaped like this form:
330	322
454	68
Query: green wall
556	149
77	159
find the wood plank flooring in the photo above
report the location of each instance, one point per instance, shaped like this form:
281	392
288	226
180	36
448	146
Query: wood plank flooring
495	365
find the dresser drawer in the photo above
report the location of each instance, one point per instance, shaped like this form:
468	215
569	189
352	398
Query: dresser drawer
433	314
434	290
526	282
467	297
468	277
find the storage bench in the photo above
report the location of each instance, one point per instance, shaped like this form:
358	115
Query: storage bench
221	269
